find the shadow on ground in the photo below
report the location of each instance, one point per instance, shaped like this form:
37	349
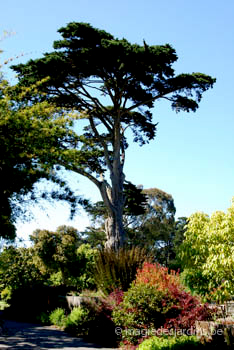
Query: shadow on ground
25	336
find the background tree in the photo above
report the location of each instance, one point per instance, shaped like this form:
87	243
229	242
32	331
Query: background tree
95	236
113	85
27	134
177	240
207	254
157	222
57	251
156	229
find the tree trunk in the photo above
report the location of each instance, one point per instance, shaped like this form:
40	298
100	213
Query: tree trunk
114	201
115	233
113	196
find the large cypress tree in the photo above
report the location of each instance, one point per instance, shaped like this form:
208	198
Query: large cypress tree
113	85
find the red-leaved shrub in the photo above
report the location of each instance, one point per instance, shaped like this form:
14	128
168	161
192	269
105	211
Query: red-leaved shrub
186	309
156	300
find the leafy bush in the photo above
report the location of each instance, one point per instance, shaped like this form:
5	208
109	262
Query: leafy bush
116	270
3	305
143	307
156	299
172	343
114	298
93	321
58	317
6	294
86	258
77	321
186	309
43	318
55	279
18	269
151	305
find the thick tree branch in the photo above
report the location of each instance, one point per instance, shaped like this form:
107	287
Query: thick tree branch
99	137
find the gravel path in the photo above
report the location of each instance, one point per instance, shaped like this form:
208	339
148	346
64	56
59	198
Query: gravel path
25	336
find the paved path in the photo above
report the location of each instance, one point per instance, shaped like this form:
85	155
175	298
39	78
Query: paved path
25	336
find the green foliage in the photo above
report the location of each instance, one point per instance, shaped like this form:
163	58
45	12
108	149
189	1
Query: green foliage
156	228
86	258
55	279
6	294
142	307
89	320
57	251
29	133
172	343
44	318
95	236
94	321
78	321
18	270
3	305
65	257
207	254
116	270
58	317
135	204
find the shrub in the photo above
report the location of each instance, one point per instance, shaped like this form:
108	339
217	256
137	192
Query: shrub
186	309
114	298
3	305
172	343
93	321
101	328
77	321
143	307
156	299
57	317
55	279
116	270
6	294
43	318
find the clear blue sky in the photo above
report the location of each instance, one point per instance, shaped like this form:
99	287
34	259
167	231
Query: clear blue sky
192	155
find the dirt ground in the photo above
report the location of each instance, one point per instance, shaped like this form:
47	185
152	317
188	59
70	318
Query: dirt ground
25	336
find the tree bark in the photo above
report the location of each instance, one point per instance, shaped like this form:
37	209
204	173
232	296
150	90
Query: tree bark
114	200
112	195
115	233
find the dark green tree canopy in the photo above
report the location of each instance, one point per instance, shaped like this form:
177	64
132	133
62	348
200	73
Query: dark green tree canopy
88	58
112	85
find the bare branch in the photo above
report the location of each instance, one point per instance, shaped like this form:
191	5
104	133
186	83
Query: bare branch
99	137
82	172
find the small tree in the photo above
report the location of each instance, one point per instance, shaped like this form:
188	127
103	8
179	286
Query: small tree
207	254
113	85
